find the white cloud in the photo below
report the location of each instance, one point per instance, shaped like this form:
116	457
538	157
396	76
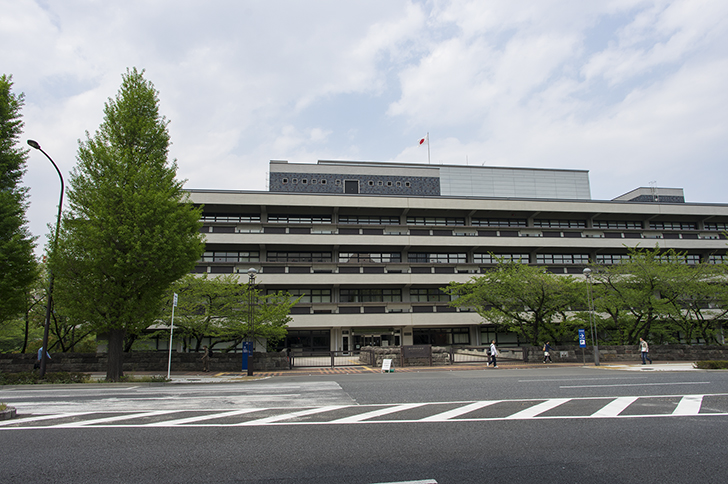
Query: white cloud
632	90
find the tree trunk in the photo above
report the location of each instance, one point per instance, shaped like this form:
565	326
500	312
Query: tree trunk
115	353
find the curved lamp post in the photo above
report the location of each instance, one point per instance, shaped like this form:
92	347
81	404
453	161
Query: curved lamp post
592	324
251	315
44	355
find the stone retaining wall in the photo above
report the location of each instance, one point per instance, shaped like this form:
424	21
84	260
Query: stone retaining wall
631	353
139	361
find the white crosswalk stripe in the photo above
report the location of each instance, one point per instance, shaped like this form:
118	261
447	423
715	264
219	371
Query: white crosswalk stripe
424	412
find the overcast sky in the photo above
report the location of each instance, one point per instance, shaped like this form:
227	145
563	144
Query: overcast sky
633	91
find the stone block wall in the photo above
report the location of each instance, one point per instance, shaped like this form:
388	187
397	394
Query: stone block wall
142	361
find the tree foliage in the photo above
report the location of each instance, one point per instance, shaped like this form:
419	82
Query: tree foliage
18	267
655	293
130	230
516	297
219	306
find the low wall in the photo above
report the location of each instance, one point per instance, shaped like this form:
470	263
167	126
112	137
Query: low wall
373	356
630	353
138	361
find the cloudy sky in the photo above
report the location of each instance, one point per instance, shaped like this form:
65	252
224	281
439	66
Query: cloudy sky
634	91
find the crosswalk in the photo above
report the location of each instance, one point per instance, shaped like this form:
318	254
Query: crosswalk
703	405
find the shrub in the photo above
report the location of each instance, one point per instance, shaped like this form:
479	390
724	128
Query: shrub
712	365
31	378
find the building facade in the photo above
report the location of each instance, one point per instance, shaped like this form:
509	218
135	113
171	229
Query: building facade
369	245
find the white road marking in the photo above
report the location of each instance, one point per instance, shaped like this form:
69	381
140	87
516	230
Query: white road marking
377	413
538	409
116	418
689	405
200	418
441	417
615	407
286	416
639	384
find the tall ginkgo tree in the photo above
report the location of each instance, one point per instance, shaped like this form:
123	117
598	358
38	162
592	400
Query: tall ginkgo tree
130	231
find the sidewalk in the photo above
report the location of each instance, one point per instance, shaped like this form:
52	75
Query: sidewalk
232	377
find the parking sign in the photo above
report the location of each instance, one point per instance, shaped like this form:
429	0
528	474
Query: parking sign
582	338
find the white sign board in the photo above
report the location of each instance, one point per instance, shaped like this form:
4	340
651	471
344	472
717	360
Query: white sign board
387	366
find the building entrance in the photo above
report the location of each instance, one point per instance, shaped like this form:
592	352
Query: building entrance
361	337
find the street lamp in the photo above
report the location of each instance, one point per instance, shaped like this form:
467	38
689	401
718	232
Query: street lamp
251	315
44	354
592	324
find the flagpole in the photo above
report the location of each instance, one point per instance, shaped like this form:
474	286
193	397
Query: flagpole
171	333
428	147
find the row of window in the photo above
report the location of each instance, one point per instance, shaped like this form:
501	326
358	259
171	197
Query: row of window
314	181
365	295
435	257
460	221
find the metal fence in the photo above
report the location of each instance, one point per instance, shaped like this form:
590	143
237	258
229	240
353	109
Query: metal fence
323	359
481	354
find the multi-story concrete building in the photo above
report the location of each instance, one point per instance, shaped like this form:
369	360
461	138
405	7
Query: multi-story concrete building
369	245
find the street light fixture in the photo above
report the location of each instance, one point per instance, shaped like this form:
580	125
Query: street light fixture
44	355
251	315
592	324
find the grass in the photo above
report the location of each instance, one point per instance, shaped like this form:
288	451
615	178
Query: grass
32	378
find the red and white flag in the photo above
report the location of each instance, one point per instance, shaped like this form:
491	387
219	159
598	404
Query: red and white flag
426	139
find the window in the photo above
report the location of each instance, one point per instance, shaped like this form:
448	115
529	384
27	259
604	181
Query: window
562	224
371	183
673	225
611	259
690	259
284	181
561	259
494	258
375	257
276	256
299	219
435	221
435	258
719	226
231	217
307	295
717	259
617	224
370	295
499	222
428	295
223	256
369	219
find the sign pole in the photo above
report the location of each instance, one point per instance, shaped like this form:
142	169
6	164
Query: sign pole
171	334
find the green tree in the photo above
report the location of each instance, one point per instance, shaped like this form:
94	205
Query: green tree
270	317
219	306
655	294
204	302
525	299
18	267
130	231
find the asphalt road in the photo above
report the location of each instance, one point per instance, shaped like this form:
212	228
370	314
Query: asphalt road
538	425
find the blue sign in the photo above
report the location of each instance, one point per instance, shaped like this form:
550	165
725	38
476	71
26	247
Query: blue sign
247	351
582	338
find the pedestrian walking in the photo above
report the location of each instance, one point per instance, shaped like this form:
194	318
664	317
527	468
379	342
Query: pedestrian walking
547	352
644	350
40	357
206	359
493	353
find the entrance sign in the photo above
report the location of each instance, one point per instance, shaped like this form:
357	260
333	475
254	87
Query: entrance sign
387	366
